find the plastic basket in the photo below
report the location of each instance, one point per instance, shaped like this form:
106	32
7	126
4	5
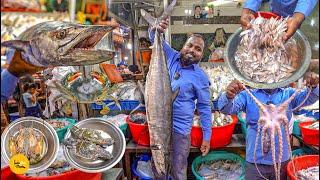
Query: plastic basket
125	105
220	136
139	132
7	174
214	156
301	162
309	136
142	157
61	132
301	151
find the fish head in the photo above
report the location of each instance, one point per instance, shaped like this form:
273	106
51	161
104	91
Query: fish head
61	43
192	51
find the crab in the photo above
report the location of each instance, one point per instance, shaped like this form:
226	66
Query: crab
87	149
75	87
91	135
28	142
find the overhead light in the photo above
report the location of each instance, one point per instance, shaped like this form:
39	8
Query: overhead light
190	11
220	2
206	8
129	46
126	58
186	11
316	46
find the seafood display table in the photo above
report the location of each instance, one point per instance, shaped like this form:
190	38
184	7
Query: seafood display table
315	149
237	142
114	173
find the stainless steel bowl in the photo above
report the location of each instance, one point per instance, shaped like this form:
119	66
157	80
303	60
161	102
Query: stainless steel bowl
117	149
50	135
304	51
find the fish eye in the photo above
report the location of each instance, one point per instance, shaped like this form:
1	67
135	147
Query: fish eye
61	34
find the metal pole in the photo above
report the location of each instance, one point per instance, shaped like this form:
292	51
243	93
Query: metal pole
72	10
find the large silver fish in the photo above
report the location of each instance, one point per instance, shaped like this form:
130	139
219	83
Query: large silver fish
59	43
159	98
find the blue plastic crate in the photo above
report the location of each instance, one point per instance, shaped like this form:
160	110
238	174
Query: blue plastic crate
125	105
14	116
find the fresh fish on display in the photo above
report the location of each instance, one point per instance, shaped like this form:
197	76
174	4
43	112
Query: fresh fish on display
159	98
221	169
263	56
58	124
314	125
218	119
117	120
138	118
29	142
59	43
219	77
311	173
127	90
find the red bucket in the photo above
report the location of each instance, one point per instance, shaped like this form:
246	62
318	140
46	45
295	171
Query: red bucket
309	136
140	132
7	174
220	136
267	15
301	162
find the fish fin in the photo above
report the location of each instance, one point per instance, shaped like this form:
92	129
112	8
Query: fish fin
17	44
166	13
175	94
141	88
147	16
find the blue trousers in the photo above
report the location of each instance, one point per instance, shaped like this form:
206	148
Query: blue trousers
33	111
180	152
266	170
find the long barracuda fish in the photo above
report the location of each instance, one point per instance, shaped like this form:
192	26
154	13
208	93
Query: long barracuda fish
159	98
59	43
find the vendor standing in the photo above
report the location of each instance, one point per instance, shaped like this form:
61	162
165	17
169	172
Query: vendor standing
298	10
185	73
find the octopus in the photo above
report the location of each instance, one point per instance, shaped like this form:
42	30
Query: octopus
272	118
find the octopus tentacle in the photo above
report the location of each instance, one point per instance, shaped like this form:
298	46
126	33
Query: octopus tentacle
278	128
255	151
273	150
260	105
285	104
263	138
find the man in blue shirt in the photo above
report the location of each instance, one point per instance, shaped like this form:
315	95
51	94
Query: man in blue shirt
297	9
236	100
17	68
186	74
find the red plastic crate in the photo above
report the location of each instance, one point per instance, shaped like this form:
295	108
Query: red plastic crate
7	174
301	162
309	136
139	132
220	136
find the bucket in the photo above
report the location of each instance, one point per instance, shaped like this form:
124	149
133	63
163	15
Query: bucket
309	136
139	132
243	123
7	174
220	136
214	156
301	162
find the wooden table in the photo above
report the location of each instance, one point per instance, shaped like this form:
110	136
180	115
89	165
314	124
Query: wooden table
237	142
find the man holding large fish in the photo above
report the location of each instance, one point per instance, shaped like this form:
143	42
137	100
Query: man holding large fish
188	83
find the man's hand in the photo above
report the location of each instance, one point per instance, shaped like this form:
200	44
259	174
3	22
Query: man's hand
293	23
246	16
19	68
205	147
234	88
311	79
162	26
